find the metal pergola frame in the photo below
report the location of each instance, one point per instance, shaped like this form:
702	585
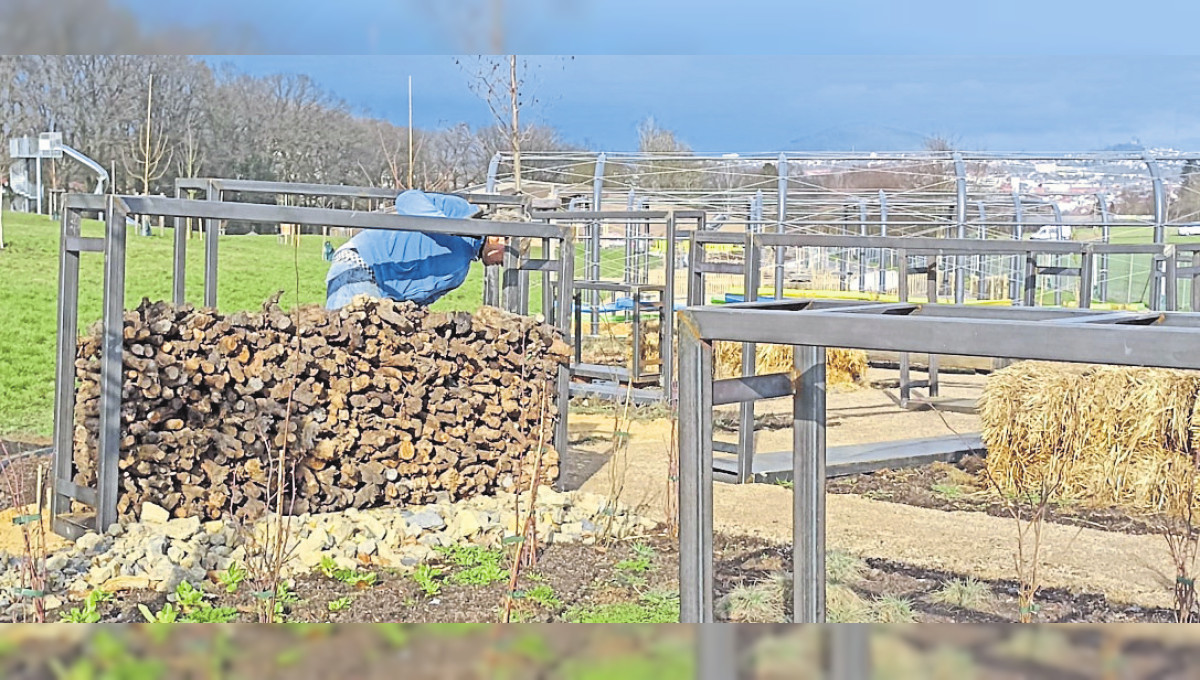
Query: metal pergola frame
103	498
1159	339
219	189
591	281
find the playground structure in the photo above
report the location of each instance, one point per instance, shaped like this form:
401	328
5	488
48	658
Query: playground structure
103	498
25	173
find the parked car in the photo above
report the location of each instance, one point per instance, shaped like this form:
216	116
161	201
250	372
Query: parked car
1189	230
1052	232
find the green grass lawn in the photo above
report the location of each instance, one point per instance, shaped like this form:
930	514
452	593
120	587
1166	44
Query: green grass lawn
252	268
1129	275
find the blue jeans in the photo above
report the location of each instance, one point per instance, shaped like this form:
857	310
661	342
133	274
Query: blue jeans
343	295
345	281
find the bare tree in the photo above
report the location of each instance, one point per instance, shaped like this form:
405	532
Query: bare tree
150	155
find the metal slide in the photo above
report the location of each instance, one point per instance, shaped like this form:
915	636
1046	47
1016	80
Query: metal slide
96	167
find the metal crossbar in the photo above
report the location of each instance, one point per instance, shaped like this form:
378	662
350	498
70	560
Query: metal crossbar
103	499
1167	340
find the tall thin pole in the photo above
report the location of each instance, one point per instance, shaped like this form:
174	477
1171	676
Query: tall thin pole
513	95
410	134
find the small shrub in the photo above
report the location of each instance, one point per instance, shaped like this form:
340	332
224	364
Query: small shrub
892	609
428	578
843	568
232	577
89	612
967	593
543	596
757	603
340	605
653	607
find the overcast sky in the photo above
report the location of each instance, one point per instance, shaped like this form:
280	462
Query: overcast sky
845	74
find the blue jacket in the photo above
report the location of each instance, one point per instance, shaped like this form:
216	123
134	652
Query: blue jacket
413	265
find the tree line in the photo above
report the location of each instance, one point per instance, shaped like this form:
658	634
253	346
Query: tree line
154	118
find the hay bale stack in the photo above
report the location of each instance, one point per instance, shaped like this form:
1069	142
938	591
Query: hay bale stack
1111	434
843	367
379	403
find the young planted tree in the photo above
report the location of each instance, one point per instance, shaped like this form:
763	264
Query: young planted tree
150	157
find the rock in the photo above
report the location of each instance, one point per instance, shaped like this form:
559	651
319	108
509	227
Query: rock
368	547
115	530
157	545
183	528
427	520
341	528
167	576
121	583
88	542
345	562
569	533
373	526
548	497
52	602
589	527
175	553
102	574
466	524
154	514
216	526
432	540
57	561
311	549
217	539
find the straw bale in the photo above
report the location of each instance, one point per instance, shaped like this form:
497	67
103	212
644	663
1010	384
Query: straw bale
1112	434
843	367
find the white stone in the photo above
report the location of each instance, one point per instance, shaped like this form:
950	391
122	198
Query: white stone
88	542
184	527
154	514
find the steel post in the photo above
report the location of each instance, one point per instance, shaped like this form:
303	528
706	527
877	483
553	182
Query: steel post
780	220
883	233
862	230
745	463
593	246
1086	279
211	234
931	291
493	169
850	652
902	296
808	475
1018	229
666	318
562	316
1160	221
179	257
64	365
111	366
960	219
716	652
1195	282
1105	237
1031	279
1170	278
695	475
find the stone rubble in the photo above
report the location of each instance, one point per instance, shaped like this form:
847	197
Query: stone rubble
159	552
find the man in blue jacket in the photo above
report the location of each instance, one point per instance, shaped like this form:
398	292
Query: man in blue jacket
409	265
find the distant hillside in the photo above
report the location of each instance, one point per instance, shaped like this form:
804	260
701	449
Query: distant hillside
863	137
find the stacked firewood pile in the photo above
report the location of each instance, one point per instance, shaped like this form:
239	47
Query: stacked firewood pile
380	403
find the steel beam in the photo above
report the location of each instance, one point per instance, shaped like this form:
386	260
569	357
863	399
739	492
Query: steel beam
111	366
961	330
274	214
960	220
808	493
212	231
716	652
850	652
64	365
695	476
781	198
179	255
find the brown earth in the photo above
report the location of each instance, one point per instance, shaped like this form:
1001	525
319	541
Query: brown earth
1125	568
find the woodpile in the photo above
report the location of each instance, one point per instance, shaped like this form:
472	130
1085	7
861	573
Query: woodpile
379	403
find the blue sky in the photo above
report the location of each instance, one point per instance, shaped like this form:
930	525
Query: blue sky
945	27
1000	75
830	102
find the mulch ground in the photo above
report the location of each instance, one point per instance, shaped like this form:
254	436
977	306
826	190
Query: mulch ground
961	486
